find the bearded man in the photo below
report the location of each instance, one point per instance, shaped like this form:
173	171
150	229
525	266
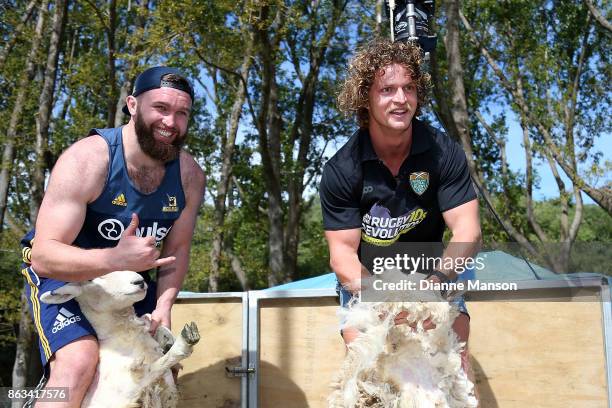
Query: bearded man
113	198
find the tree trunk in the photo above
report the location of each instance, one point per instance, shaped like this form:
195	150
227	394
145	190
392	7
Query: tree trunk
8	155
457	112
380	5
45	104
110	33
269	127
273	185
27	365
598	16
138	44
225	178
302	132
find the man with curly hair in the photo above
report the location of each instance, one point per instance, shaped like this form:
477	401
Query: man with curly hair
397	179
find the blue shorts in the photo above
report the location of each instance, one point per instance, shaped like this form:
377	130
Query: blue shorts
58	325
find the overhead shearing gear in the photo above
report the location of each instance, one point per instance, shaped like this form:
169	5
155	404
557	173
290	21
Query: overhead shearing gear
411	20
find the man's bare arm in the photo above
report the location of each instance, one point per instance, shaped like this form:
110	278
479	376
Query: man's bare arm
464	223
178	244
77	178
343	246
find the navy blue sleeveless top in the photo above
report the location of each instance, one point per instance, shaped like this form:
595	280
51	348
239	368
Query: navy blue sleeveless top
108	216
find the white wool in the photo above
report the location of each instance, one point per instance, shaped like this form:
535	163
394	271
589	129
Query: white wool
391	365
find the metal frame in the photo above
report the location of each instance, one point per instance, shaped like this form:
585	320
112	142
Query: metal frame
251	306
244	297
254	297
215	295
561	283
606	308
253	350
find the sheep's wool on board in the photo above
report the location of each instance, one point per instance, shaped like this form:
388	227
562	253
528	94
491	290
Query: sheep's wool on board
390	365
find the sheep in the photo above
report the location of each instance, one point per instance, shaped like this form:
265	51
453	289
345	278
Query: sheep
391	365
132	370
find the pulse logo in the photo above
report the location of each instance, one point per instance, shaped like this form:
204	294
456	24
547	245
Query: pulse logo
112	229
64	318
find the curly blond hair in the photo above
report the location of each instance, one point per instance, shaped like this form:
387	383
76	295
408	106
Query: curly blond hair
369	62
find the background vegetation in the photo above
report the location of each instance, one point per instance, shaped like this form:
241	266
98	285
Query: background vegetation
265	121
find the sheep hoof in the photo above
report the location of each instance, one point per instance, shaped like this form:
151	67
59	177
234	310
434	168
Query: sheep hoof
190	333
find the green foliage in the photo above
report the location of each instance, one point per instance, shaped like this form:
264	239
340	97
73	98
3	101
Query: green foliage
313	252
12	284
596	225
540	42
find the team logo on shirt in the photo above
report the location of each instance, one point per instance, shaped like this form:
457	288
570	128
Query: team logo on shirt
419	181
171	207
120	200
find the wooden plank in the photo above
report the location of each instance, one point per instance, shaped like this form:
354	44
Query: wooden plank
300	351
203	382
538	354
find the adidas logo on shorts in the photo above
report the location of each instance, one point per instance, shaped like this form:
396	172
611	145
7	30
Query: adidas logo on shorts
63	319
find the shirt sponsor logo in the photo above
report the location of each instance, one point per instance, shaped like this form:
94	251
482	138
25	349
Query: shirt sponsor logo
419	181
112	229
378	227
171	207
64	318
120	200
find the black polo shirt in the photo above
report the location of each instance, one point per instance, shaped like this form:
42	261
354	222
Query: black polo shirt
358	191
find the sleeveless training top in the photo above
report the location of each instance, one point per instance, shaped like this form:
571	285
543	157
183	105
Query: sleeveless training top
108	216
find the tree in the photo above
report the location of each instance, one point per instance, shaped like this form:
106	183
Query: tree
23	87
544	81
17	32
598	16
305	32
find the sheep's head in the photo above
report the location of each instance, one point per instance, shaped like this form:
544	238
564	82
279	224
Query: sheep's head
113	291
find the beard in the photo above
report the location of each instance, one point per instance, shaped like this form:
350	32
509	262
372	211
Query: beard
155	149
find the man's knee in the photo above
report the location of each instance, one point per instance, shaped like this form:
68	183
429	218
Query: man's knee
461	326
349	334
76	360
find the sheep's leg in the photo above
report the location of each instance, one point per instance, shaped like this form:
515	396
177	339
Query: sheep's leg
181	349
164	337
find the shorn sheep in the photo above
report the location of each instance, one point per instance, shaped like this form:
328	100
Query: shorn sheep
132	370
396	366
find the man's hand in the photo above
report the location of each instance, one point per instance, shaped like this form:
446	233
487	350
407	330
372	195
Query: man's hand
436	279
160	316
137	253
402	318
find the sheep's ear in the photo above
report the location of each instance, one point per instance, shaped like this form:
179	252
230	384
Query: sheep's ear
61	295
